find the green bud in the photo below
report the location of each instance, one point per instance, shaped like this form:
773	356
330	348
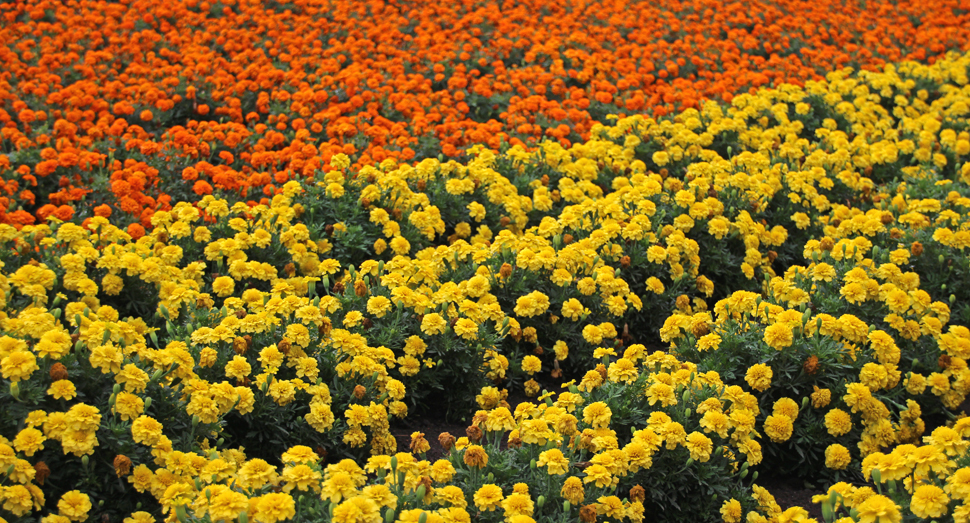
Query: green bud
111	400
157	375
394	464
198	484
532	464
389	516
541	501
566	506
491	477
15	390
423	518
116	389
805	402
754	477
243	517
876	476
687	412
148	402
420	491
195	420
85	460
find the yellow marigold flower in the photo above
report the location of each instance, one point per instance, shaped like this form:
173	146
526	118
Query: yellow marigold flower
597	414
837	457
466	328
778	428
778	336
74	505
622	370
400	245
731	511
53	344
786	407
878	509
62	389
488	498
554	461
18	365
146	430
598	475
821	397
655	286
573	309
700	446
378	306
273	507
593	334
29	441
561	350
18	500
759	377
838	422
662	393
223	286
709	341
929	501
433	324
531	364
572	490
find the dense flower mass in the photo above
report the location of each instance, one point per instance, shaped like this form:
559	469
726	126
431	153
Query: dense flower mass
135	106
241	241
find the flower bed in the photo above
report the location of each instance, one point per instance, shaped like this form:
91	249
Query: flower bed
778	282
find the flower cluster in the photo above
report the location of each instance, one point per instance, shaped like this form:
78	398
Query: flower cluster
187	355
127	108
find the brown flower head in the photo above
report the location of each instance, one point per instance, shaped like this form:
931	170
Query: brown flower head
446	440
122	465
811	365
474	433
58	372
42	472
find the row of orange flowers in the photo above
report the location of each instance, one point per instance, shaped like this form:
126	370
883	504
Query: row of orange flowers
108	103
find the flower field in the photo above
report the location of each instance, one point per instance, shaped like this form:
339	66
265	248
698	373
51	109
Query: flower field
244	241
